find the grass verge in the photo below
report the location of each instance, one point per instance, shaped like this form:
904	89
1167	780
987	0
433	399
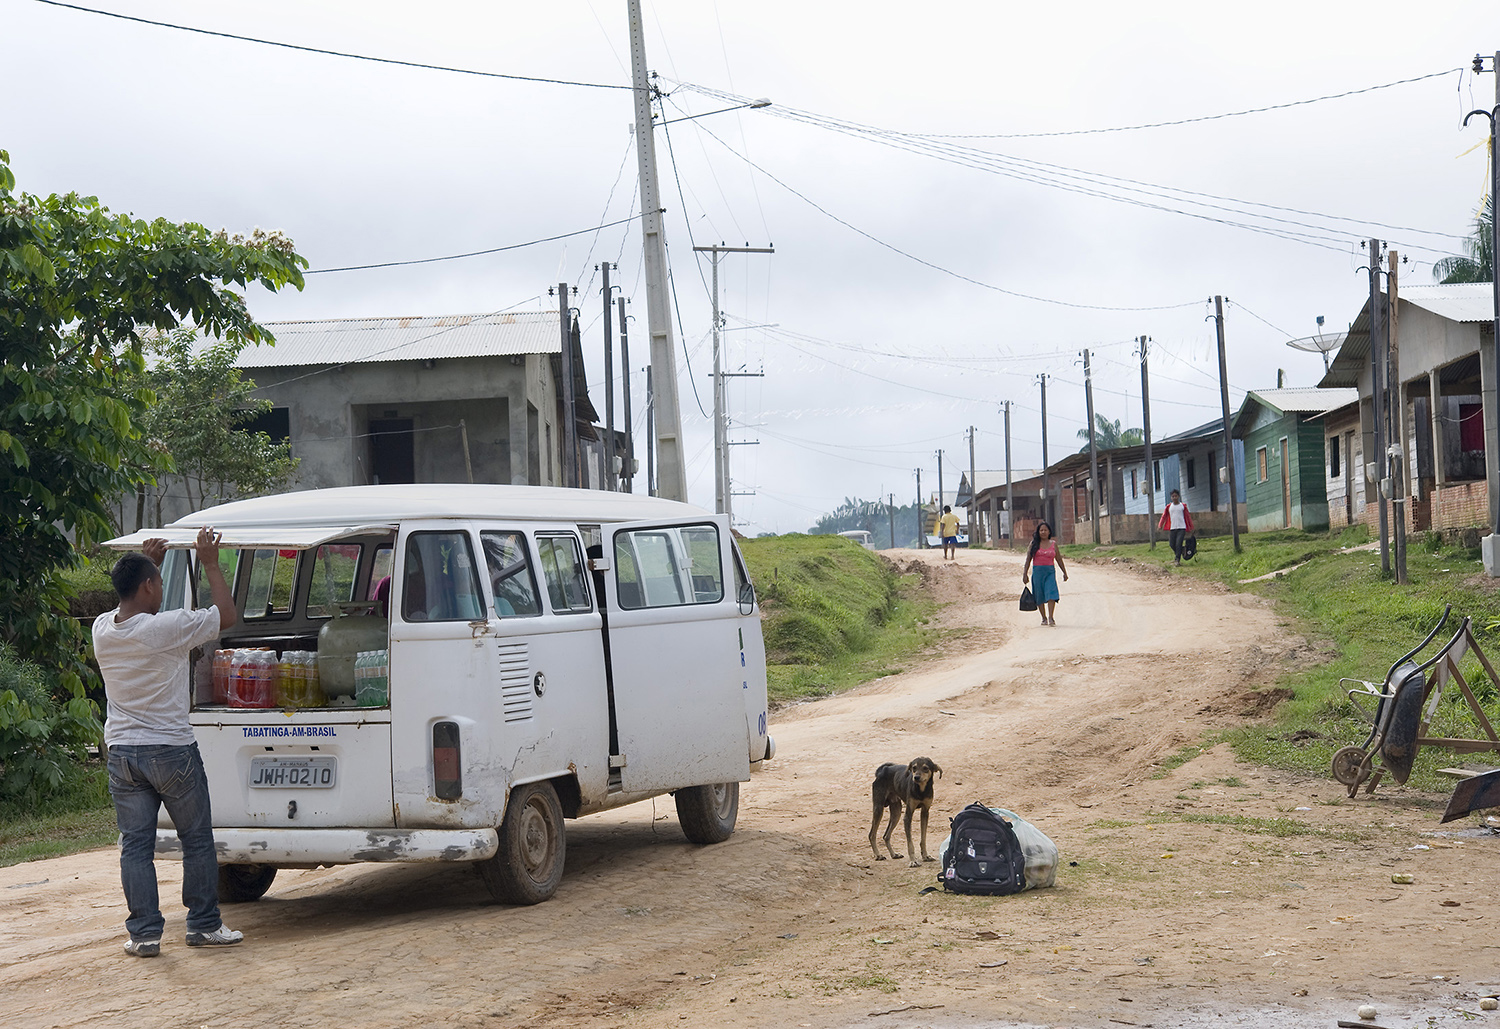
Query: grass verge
834	615
78	817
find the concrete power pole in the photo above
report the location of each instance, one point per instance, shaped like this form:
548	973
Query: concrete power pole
973	487
1150	469
1010	497
650	434
1489	362
921	533
570	417
611	479
1234	514
722	487
890	510
1397	419
1046	498
1378	343
627	465
939	512
1094	492
672	474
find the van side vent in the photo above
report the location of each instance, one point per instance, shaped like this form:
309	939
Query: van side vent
515	681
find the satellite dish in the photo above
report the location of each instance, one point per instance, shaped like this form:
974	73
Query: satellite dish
1323	343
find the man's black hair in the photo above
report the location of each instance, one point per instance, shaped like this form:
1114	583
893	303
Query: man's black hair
129	572
947	508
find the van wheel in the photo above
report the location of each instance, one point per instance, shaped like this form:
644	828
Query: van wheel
529	864
707	813
240	884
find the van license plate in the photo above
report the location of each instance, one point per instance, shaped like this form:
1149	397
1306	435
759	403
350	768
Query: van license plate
281	773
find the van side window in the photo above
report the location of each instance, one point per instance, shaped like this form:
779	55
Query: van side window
229	562
562	567
332	581
272	575
439	581
511	579
649	569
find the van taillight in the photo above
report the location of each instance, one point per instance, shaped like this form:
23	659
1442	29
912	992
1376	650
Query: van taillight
447	763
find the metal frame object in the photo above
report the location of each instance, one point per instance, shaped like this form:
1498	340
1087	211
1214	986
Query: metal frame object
1404	707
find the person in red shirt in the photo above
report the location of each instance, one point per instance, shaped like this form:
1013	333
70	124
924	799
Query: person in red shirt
1040	560
1176	522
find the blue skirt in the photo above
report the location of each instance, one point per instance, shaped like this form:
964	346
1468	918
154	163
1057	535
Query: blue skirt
1044	583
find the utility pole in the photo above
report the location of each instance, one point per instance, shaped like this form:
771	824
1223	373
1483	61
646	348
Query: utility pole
1399	479
666	416
921	529
721	430
611	480
650	433
570	418
939	512
1046	498
1094	492
1234	513
1150	468
890	511
1010	498
1490	385
627	466
1378	342
973	486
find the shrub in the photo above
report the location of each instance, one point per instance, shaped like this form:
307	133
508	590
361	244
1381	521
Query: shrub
43	740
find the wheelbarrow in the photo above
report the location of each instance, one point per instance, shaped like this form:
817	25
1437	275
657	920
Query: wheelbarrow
1401	709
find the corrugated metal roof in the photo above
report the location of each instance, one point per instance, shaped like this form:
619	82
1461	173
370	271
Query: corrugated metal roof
1456	301
1306	399
357	340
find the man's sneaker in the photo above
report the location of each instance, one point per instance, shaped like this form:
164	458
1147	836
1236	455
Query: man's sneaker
223	936
144	948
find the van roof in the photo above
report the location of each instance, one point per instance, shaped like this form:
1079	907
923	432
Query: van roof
349	505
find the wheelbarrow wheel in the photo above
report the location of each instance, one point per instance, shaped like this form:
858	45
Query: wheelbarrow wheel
1348	763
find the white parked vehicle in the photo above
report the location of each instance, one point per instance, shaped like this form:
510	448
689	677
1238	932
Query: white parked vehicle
860	536
490	660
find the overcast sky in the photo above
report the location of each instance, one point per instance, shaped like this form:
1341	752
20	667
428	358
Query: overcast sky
968	240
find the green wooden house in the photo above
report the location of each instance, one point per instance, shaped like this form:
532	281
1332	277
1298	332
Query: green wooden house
1285	472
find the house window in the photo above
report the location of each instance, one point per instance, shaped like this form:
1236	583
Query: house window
276	423
1133	490
1333	457
1260	464
1192	475
1156	476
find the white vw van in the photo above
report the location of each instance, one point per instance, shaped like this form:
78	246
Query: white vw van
491	660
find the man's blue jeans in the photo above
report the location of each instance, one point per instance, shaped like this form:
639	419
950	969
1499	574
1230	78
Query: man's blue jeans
141	780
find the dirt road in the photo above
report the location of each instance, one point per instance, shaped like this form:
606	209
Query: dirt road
1213	894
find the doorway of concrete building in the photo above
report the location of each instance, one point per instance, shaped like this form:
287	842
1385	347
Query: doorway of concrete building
1349	478
392	458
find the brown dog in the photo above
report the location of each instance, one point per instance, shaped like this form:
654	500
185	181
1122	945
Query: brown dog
895	786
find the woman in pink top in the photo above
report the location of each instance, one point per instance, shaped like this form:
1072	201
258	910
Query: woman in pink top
1039	569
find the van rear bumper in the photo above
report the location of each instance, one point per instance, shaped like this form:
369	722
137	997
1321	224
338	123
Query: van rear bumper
339	846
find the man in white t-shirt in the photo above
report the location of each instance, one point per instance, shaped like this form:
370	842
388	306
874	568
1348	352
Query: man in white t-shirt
143	654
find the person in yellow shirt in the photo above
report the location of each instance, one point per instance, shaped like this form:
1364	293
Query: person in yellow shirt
948	530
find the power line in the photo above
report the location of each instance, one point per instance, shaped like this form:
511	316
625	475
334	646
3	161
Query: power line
473	253
912	257
332	53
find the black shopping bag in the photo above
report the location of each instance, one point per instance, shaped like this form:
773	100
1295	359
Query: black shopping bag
1028	602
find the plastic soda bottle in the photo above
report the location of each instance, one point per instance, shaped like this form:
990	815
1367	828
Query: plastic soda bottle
221	676
236	684
383	675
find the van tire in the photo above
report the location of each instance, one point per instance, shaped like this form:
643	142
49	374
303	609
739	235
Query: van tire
707	813
528	867
241	884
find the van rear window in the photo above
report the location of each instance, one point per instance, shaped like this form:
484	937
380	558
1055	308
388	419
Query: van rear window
332	582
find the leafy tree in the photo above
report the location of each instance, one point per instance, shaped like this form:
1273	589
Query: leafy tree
41	737
79	286
1108	435
196	423
1479	264
874	516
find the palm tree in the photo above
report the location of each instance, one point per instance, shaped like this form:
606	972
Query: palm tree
1108	435
1479	264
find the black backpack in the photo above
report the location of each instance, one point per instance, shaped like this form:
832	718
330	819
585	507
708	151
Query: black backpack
984	856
